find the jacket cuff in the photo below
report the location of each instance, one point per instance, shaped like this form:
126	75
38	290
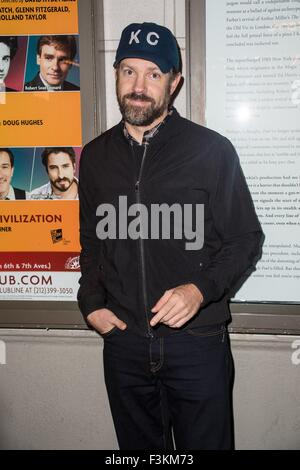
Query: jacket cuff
91	303
207	287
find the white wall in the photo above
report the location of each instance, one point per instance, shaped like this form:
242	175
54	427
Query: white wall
267	391
117	15
51	391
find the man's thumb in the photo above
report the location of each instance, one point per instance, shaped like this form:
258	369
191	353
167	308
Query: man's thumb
120	324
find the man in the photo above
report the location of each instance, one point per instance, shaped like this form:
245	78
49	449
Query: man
8	50
159	300
60	166
55	55
7	191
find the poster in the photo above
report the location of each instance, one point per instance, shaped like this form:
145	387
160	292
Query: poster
253	97
40	145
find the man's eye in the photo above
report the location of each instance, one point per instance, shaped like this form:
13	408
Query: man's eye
155	76
128	72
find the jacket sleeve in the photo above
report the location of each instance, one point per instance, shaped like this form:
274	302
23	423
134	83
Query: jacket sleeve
237	228
91	294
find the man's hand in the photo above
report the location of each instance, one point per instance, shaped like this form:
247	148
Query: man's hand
177	306
104	320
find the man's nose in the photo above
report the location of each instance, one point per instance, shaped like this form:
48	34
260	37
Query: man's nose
60	173
56	64
139	85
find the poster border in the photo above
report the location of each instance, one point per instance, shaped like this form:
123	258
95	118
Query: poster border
65	314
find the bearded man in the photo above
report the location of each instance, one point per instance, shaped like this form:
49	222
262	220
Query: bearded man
160	304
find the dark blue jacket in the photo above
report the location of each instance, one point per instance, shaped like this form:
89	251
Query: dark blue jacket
183	163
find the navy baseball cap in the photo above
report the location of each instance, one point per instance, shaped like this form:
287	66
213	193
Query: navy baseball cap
152	42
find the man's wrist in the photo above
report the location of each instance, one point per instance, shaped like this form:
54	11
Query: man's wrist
201	297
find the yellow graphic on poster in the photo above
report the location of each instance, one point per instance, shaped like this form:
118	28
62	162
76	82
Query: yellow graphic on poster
40	145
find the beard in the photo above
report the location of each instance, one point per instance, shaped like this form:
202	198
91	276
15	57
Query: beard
63	189
142	115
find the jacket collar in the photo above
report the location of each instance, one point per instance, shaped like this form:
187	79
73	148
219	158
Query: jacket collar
148	135
166	131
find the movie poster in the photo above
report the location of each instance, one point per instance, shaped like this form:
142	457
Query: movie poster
40	145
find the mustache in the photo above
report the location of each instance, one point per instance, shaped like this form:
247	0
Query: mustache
138	97
59	180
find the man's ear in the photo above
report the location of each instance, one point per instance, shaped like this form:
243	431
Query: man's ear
38	59
175	83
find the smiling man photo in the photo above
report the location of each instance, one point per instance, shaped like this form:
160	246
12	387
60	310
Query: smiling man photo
8	50
7	191
55	56
60	165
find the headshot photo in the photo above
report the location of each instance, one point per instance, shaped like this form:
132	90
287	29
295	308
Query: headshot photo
58	166
15	172
12	62
52	63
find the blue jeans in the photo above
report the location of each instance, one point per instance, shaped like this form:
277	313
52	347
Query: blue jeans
182	382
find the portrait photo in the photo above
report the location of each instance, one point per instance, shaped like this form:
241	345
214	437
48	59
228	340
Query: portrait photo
16	166
12	62
52	63
55	173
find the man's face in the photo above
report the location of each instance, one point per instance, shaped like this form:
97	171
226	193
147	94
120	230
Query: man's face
61	171
54	64
4	61
6	173
143	91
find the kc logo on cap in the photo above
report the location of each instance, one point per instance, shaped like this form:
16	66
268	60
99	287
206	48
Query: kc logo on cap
134	37
149	41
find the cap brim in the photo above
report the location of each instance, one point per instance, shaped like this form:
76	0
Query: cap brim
164	66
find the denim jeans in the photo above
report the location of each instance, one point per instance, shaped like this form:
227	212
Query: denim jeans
172	389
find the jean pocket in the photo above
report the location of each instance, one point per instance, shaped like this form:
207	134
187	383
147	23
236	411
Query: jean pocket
111	332
207	331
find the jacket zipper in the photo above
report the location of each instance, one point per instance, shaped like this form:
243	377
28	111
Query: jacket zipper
141	245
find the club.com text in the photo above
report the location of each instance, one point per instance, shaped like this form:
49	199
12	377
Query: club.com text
25	280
